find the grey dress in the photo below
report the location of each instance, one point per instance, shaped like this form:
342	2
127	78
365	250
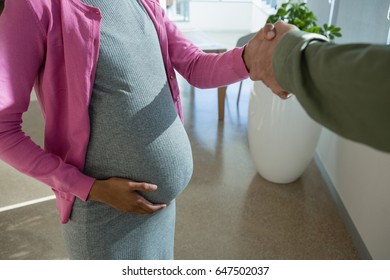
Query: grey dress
135	134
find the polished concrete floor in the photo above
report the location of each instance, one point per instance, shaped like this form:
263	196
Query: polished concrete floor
227	212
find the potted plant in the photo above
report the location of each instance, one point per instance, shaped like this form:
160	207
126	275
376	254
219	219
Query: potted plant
297	13
282	137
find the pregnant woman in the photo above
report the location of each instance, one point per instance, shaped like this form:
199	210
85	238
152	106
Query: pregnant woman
116	153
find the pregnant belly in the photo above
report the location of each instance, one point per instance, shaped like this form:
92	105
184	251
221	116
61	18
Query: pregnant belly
169	165
155	154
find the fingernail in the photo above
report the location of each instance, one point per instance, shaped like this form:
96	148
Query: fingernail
153	187
283	95
271	33
286	96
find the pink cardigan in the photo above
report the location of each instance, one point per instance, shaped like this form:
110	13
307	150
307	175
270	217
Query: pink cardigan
53	45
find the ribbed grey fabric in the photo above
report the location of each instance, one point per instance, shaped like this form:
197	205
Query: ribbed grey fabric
135	134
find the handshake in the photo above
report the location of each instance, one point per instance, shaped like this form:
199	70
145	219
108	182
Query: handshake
344	87
259	52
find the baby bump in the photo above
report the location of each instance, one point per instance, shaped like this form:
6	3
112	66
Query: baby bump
139	136
166	162
153	154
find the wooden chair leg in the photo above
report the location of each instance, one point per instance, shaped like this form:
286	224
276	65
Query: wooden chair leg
221	103
239	93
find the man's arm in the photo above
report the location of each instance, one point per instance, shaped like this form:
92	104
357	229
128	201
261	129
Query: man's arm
346	88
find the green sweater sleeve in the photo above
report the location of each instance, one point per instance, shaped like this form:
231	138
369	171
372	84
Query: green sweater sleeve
346	88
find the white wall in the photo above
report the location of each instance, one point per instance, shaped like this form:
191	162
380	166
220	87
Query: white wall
233	15
361	177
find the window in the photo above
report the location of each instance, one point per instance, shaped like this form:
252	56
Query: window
178	10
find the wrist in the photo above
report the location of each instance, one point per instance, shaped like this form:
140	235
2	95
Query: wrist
245	58
96	190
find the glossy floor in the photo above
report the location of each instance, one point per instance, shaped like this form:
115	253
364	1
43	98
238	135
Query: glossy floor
227	212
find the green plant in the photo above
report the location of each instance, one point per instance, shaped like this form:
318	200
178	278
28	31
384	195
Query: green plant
297	13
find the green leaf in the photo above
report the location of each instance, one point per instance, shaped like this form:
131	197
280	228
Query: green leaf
297	13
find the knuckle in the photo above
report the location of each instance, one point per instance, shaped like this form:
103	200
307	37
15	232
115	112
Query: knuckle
254	76
139	201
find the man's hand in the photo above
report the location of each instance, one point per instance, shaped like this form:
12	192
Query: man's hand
259	52
123	195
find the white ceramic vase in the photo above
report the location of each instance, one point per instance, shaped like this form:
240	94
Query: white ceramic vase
282	137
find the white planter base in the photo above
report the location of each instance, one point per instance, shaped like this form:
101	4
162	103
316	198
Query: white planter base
282	137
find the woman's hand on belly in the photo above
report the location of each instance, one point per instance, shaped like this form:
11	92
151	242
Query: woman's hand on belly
123	195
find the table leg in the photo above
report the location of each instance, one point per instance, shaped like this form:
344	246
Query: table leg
221	103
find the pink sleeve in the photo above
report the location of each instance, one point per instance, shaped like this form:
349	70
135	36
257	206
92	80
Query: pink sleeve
203	70
22	51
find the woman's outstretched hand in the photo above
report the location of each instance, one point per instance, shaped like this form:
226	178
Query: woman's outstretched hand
123	195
